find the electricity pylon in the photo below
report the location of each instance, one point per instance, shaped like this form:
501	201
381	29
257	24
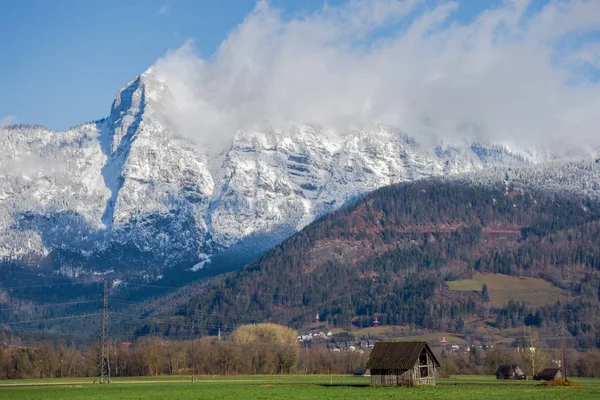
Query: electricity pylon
104	365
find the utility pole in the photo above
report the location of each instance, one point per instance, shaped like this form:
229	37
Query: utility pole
104	365
116	362
193	352
562	345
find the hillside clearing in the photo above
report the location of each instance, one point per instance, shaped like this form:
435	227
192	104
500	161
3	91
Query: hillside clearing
502	288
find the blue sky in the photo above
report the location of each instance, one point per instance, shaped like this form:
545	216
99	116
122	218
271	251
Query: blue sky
63	61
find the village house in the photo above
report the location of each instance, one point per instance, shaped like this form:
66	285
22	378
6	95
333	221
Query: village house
548	374
310	336
510	371
360	371
402	364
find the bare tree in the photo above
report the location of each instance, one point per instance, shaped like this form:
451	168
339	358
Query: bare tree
535	357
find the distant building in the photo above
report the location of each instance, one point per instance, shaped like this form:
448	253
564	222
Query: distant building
510	371
360	371
402	364
375	322
548	374
317	317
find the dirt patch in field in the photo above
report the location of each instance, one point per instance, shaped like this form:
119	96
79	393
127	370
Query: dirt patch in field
559	382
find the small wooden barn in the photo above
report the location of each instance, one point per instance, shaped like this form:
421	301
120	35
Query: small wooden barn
510	371
402	364
360	371
548	374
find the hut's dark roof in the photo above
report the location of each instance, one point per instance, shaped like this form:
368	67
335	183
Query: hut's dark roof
547	373
397	355
507	369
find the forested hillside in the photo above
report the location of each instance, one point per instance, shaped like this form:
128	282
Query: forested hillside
392	253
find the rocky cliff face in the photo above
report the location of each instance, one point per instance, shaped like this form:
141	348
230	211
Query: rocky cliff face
128	194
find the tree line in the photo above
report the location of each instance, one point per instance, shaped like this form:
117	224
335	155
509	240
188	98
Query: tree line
264	348
151	357
479	362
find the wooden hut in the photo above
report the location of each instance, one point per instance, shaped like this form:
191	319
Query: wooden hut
402	364
360	371
548	374
510	371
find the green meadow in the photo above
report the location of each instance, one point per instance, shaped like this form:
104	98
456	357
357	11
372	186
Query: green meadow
502	288
287	387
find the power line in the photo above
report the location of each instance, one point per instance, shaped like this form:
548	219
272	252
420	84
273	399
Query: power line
166	320
250	296
49	319
75	281
151	286
190	312
48	305
39	286
113	336
32	274
52	331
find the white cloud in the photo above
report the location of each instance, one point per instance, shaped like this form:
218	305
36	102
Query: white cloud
500	77
5	121
165	7
590	55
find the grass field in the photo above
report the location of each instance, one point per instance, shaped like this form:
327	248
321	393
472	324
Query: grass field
502	288
425	337
289	387
399	333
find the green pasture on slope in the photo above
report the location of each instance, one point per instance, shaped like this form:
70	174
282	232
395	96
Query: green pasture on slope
290	387
502	288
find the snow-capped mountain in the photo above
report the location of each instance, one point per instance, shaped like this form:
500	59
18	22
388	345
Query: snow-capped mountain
130	194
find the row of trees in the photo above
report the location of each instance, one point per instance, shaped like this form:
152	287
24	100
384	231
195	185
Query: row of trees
477	361
156	357
251	349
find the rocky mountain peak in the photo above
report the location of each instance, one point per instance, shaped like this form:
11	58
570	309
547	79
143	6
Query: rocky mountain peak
131	193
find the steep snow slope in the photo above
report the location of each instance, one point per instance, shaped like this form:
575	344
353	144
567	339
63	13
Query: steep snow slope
130	194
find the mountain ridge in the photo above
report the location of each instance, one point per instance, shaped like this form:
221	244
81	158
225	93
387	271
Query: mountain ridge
130	194
393	252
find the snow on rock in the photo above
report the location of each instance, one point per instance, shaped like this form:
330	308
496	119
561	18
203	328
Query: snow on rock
126	192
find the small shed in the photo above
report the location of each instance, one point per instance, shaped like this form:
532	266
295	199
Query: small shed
360	371
548	374
510	371
402	364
